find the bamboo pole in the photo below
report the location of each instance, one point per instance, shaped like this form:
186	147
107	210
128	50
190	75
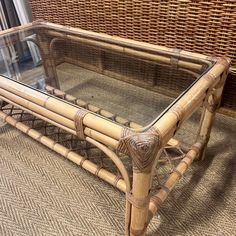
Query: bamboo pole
47	60
162	60
206	123
140	190
127	51
114	158
72	156
38	109
172	142
190	56
142	183
124	174
189	101
39	116
103	126
210	106
101	137
89	132
17	29
50	106
158	198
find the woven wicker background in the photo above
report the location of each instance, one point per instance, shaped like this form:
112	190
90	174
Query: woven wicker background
207	27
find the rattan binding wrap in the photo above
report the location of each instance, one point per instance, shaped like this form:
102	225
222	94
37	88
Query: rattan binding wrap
208	27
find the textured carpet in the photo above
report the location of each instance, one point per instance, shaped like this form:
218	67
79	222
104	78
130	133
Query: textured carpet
42	193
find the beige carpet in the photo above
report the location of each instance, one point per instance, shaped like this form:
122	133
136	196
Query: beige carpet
41	193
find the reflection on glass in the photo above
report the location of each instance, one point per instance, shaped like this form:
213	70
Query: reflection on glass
133	84
21	61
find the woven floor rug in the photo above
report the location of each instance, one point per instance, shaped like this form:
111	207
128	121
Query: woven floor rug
42	193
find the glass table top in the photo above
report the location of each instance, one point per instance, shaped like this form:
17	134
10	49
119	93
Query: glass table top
124	78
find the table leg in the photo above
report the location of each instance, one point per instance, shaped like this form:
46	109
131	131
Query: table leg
140	198
143	148
47	60
210	106
140	203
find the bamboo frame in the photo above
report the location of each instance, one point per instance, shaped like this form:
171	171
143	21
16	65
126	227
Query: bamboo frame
72	156
158	198
143	145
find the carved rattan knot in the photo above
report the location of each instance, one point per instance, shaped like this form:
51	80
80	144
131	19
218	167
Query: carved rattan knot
141	147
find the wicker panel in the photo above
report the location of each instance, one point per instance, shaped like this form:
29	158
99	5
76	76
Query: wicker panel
229	98
207	27
201	26
83	53
130	67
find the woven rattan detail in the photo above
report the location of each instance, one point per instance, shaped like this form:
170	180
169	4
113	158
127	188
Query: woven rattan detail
137	202
70	145
141	147
199	26
79	123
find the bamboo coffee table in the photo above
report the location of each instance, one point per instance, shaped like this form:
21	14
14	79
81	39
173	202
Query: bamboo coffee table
106	113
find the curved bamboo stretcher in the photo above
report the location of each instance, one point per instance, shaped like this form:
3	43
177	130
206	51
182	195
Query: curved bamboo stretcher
113	135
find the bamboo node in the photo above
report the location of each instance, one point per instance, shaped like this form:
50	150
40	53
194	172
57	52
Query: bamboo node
210	76
164	188
183	161
178	173
196	148
156	201
67	153
211	102
39	137
118	177
28	129
140	232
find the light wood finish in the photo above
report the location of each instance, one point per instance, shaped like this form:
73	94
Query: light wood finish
143	145
89	132
125	50
124	174
167	125
140	190
72	156
142	184
212	102
158	198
